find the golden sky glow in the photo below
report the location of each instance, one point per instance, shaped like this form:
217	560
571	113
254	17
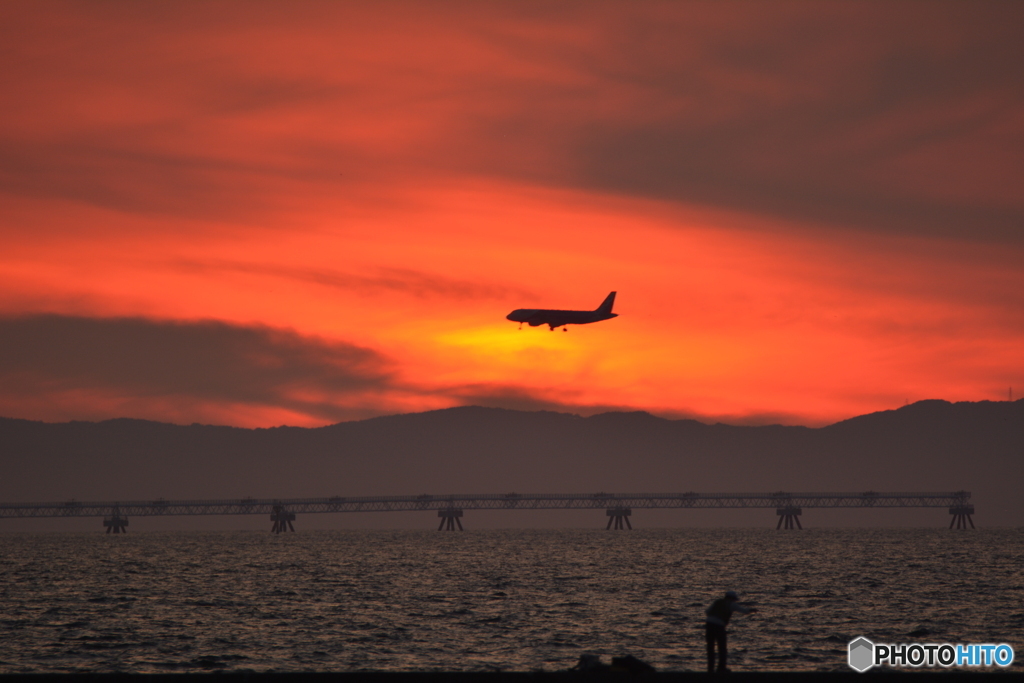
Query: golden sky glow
260	214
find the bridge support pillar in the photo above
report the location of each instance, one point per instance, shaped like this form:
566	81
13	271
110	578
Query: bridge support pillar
282	519
961	516
449	518
789	516
619	517
116	524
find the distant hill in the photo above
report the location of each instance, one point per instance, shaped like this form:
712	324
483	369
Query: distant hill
930	445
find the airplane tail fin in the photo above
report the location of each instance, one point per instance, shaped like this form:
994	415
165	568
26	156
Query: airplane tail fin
606	305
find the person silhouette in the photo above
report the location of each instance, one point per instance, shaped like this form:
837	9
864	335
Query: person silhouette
718	613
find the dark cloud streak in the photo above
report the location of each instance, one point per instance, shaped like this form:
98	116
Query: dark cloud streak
202	361
400	280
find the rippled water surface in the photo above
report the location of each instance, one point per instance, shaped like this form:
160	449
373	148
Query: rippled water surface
488	600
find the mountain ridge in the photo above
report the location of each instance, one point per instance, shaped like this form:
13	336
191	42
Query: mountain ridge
475	408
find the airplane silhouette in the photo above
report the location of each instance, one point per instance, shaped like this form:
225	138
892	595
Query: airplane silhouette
555	318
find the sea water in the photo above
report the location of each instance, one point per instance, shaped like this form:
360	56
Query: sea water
512	600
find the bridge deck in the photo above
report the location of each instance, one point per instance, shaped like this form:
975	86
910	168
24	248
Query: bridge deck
509	501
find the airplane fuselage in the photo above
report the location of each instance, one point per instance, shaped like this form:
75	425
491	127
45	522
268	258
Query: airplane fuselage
553	318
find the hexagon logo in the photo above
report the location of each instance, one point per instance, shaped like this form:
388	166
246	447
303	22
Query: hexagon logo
862	654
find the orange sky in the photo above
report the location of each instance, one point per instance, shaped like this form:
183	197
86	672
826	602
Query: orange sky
266	213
